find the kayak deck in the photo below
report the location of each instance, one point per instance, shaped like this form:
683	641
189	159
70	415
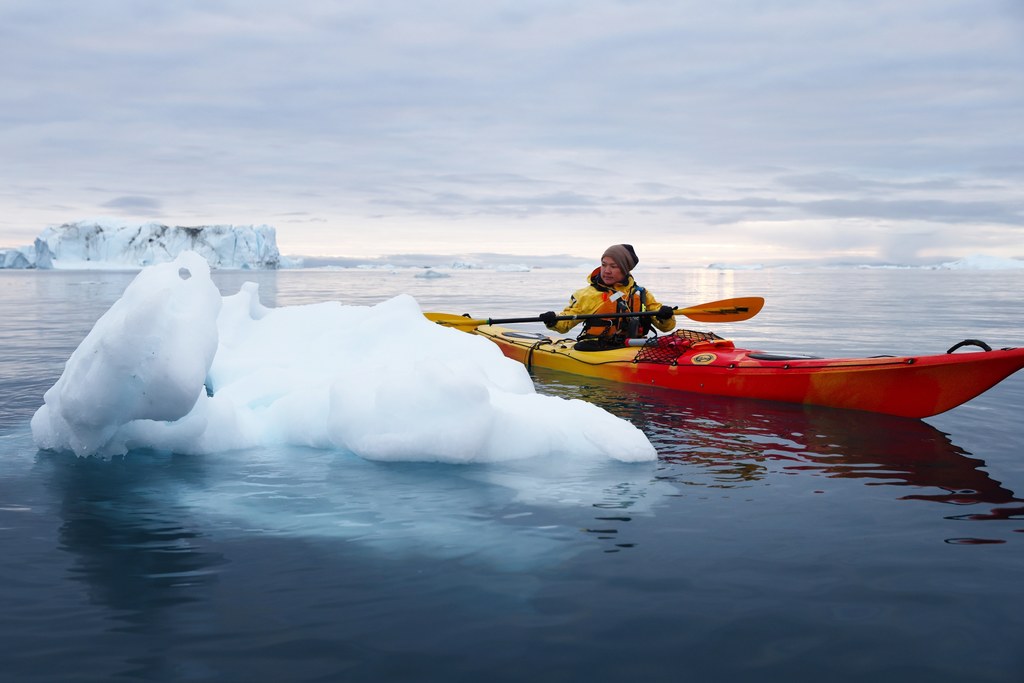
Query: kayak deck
698	362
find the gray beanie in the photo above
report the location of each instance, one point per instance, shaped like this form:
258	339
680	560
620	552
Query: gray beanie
623	255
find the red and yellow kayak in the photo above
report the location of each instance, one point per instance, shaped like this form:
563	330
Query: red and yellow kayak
701	362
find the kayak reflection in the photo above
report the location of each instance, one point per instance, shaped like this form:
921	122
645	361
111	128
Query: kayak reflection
744	440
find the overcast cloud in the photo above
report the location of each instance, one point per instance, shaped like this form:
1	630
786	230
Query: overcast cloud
738	130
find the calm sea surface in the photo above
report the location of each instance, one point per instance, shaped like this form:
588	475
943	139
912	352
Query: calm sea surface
768	543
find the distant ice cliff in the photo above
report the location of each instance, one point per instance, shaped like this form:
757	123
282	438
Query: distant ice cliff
108	244
982	262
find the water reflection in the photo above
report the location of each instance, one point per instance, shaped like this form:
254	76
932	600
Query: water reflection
133	549
513	516
126	520
739	442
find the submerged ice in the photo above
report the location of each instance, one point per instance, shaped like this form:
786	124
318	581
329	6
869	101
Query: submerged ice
175	366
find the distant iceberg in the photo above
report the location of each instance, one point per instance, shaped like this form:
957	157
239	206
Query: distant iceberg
431	274
110	244
982	262
736	266
36	256
974	262
513	268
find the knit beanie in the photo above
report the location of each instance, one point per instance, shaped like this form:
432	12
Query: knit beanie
623	255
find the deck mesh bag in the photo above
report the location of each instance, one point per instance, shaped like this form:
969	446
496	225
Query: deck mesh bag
668	347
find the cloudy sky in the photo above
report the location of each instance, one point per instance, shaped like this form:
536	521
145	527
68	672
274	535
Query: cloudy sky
728	131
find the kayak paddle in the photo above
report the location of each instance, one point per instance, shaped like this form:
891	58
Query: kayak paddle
724	311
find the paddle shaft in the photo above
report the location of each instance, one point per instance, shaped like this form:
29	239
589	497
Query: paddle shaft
581	316
732	310
726	310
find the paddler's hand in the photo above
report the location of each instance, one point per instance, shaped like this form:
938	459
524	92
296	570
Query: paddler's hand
548	318
665	312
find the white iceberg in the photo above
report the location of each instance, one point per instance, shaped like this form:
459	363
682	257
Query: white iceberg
431	274
36	256
736	266
174	366
982	262
106	243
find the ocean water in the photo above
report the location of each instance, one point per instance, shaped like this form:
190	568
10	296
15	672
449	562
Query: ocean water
768	542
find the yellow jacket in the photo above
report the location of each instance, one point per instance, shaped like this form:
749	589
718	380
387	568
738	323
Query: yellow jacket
597	297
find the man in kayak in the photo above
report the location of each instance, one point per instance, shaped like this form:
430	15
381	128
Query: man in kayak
611	289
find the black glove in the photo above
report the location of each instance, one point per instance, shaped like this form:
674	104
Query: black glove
548	318
665	312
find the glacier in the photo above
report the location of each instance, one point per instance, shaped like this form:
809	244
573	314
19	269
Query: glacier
115	245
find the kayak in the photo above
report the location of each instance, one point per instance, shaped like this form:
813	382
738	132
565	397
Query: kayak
704	363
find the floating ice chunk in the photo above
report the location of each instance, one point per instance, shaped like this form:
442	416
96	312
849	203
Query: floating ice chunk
174	366
145	359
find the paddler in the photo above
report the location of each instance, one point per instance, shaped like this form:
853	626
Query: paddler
611	289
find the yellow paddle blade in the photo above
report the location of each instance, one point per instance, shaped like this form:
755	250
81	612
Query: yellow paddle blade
724	311
460	322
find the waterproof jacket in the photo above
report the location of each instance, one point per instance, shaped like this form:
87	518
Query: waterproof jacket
597	297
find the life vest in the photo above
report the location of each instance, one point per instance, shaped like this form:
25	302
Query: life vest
612	301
